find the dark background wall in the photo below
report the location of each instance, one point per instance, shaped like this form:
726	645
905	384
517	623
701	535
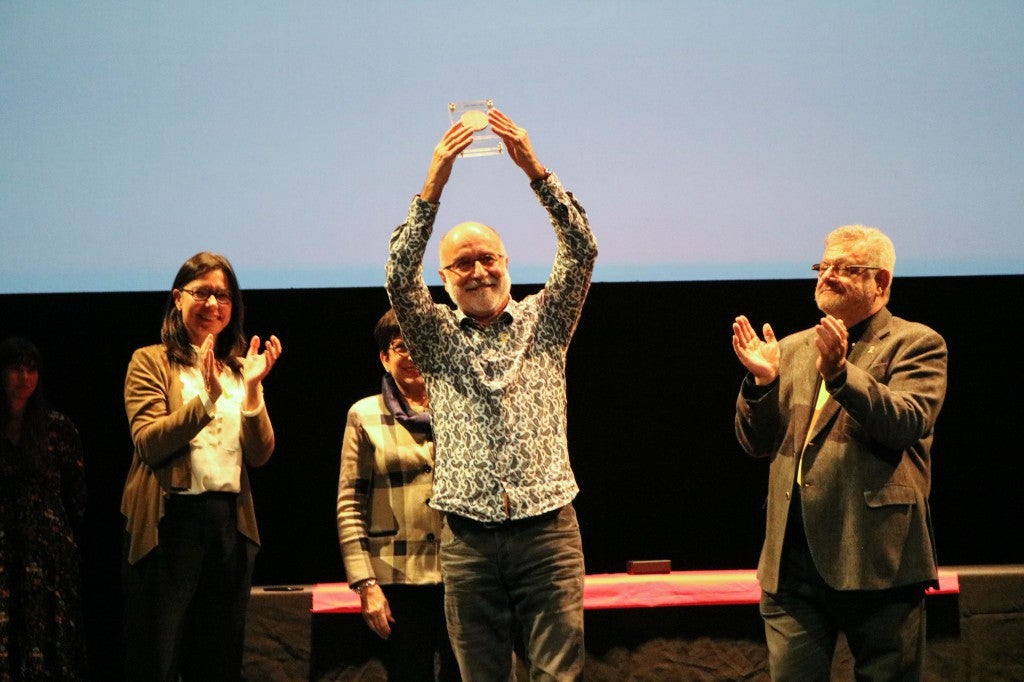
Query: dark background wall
652	385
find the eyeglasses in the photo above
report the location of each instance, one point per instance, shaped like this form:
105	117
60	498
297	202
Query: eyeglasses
202	295
841	269
464	266
399	348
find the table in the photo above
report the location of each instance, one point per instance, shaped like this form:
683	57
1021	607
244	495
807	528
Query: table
625	591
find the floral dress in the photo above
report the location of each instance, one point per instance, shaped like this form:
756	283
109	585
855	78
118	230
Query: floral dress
42	508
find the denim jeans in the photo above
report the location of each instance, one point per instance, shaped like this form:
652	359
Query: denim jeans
521	578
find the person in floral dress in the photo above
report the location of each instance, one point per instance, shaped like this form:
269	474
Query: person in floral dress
42	511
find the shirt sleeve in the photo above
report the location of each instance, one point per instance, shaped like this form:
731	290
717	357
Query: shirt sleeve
407	291
569	281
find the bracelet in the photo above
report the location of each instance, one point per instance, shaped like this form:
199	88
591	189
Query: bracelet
369	582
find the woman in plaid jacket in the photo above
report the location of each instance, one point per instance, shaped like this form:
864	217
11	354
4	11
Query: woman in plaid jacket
388	534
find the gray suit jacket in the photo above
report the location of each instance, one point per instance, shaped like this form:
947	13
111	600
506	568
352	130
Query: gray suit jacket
866	468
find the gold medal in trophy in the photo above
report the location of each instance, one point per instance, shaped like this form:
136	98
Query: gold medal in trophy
473	115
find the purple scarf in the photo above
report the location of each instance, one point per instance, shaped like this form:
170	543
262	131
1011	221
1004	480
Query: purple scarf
415	422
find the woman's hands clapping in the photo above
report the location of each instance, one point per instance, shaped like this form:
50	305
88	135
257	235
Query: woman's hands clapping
256	366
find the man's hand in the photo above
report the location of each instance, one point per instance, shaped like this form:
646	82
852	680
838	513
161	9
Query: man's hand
447	150
832	342
517	142
761	358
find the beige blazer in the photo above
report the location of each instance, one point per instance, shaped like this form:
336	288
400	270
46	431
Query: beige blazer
161	428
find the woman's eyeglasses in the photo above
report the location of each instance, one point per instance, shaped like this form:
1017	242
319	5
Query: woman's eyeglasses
202	295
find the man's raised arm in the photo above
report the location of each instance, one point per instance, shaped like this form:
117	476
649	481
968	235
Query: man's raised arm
517	142
447	150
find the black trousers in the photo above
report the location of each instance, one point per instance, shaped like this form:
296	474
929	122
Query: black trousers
419	631
885	629
185	602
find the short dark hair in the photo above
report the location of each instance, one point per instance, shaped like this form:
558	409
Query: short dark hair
231	343
19	351
386	331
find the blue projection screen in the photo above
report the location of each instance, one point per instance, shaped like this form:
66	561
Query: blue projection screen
706	140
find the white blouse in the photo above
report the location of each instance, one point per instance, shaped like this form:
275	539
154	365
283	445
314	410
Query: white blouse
216	451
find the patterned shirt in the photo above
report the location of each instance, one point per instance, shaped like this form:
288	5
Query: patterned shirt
497	392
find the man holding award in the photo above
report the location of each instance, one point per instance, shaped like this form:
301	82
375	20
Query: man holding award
511	554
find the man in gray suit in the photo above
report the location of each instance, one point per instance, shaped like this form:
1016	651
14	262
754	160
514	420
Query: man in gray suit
846	411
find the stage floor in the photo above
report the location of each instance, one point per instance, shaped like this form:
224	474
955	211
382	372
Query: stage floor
676	625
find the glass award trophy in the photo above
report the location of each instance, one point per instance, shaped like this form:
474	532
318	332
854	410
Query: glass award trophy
473	115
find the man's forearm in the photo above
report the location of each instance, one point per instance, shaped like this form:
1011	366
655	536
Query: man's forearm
403	280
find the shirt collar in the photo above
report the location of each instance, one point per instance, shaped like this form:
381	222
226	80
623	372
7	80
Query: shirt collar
507	315
867	328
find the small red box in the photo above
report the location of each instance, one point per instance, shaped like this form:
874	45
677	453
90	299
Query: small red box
645	567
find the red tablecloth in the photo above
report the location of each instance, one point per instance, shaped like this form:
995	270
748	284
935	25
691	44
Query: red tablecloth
623	591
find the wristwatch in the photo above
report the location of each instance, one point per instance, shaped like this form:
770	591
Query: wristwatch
362	585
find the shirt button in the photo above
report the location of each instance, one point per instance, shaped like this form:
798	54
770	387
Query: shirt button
427	469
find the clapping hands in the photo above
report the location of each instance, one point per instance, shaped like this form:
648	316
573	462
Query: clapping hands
256	366
760	357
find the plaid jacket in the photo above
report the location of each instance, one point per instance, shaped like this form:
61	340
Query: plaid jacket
385	527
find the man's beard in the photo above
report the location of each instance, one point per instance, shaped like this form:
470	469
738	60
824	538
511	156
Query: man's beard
490	293
840	303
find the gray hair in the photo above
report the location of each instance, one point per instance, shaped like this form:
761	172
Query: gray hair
868	242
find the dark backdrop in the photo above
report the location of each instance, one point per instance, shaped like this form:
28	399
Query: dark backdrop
652	384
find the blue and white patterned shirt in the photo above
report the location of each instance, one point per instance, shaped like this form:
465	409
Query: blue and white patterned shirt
497	393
